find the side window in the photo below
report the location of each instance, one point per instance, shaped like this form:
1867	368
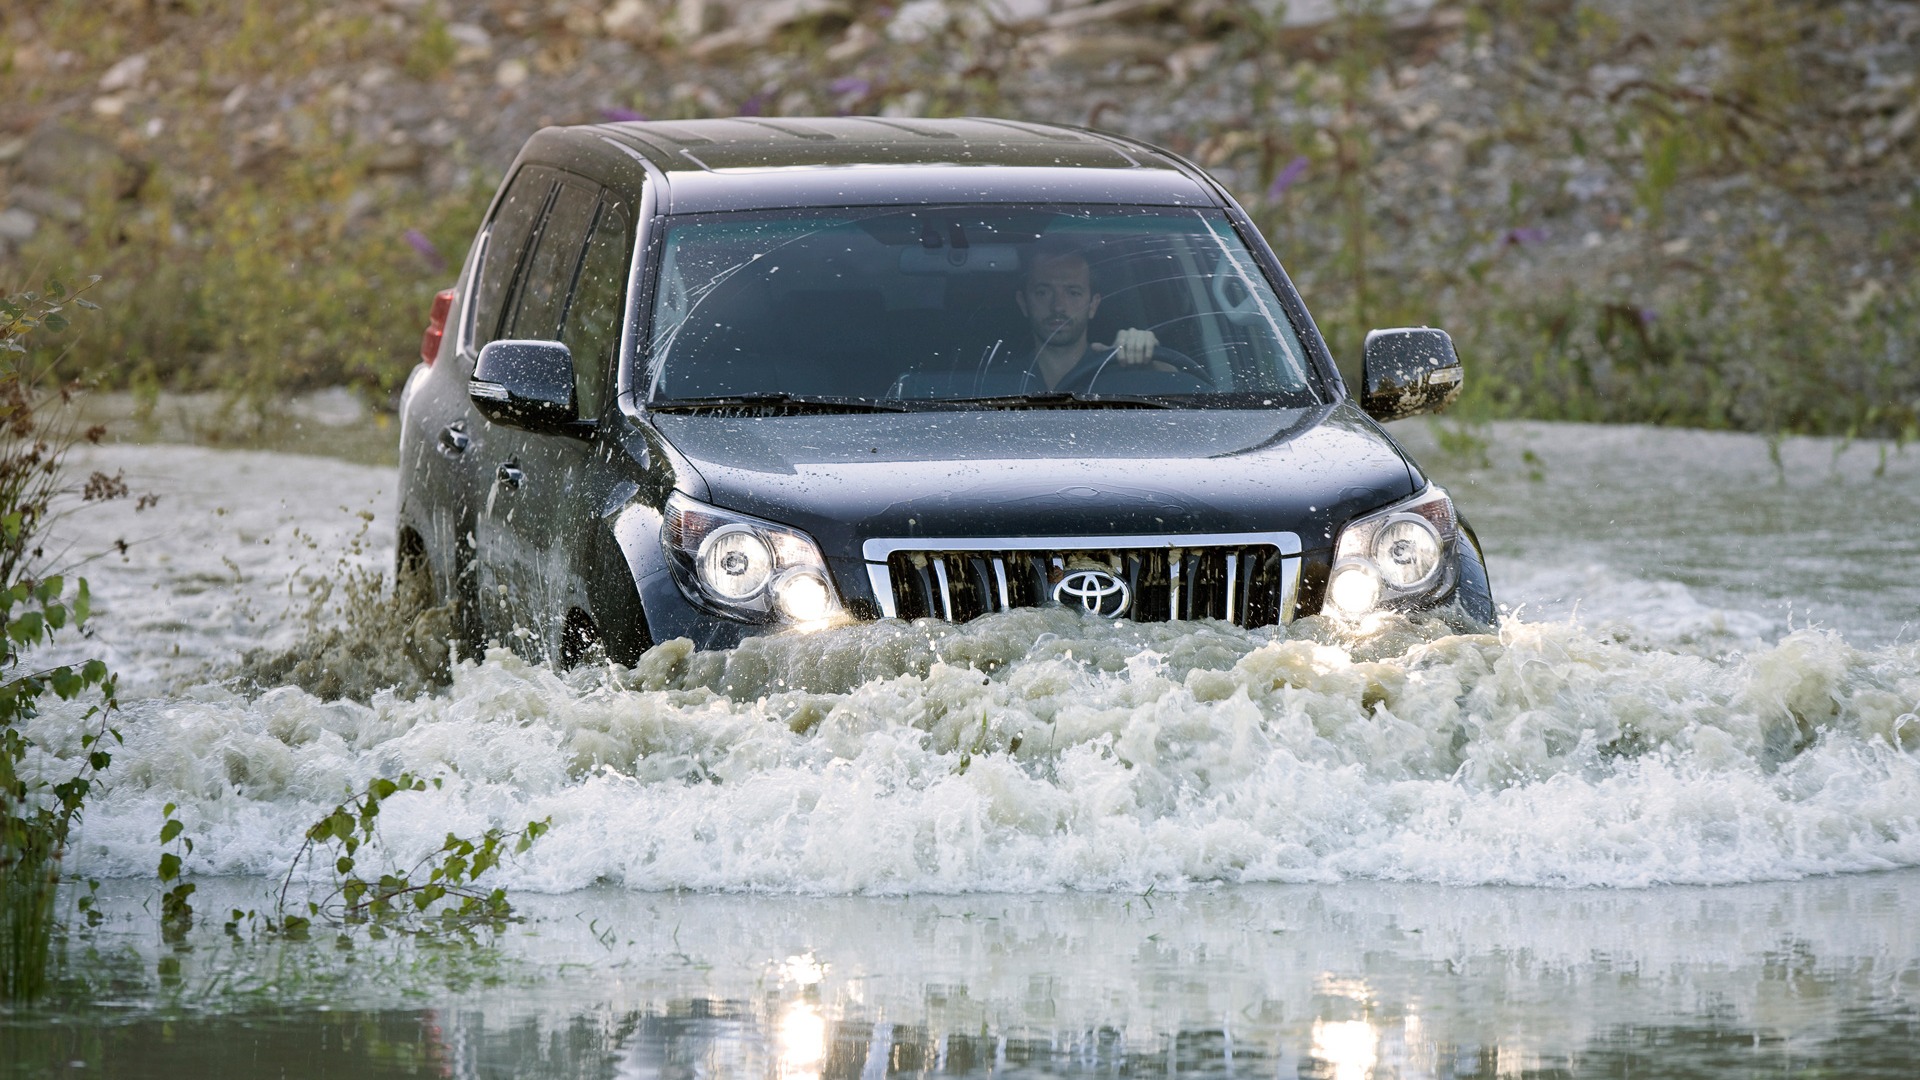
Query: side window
549	274
506	239
593	317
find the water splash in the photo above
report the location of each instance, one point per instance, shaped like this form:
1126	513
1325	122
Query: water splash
1044	751
1663	740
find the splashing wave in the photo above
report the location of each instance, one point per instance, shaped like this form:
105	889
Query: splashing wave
1043	751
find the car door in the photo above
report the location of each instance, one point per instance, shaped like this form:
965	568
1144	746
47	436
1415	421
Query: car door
450	426
529	469
561	511
504	267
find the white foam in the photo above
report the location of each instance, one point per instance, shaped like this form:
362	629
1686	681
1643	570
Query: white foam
1145	757
1648	737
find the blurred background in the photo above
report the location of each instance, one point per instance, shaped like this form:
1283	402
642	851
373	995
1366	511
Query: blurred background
1694	212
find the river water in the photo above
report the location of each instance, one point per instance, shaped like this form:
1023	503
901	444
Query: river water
1665	823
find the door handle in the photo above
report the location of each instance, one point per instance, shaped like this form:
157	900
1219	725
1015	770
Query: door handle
454	439
510	476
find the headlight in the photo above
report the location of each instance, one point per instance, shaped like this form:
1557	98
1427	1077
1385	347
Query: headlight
1407	551
1397	557
734	562
1354	590
804	596
744	567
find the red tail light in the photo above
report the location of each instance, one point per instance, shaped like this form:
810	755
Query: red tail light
436	326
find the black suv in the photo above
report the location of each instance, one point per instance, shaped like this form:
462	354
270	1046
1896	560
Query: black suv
723	377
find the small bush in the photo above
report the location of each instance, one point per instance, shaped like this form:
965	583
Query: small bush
439	896
37	812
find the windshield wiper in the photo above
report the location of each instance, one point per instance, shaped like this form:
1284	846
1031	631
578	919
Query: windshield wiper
1053	398
776	401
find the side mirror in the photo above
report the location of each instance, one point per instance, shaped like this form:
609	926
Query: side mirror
525	384
1408	371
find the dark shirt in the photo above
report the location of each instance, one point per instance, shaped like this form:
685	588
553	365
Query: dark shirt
1026	369
1004	371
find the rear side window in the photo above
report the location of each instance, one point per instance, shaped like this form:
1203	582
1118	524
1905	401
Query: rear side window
593	317
506	239
542	291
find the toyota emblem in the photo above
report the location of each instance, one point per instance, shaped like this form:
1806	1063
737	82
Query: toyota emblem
1097	591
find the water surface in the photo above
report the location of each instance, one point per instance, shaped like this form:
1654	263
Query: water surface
1663	823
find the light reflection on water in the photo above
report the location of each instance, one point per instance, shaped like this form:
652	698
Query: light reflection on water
803	1040
1350	1048
1354	981
700	1038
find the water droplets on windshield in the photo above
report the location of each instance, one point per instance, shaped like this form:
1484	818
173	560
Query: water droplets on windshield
940	304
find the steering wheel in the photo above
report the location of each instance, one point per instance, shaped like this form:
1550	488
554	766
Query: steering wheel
1173	358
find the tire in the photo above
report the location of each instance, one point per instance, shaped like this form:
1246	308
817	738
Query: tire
579	640
429	628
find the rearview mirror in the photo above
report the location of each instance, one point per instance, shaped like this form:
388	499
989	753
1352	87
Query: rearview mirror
1408	371
525	384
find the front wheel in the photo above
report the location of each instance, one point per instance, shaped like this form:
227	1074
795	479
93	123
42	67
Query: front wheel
579	641
431	630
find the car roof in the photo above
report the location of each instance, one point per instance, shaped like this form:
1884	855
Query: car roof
747	163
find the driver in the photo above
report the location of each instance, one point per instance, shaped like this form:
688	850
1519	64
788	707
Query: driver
1058	300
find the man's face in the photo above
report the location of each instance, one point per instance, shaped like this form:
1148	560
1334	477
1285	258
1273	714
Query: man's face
1058	300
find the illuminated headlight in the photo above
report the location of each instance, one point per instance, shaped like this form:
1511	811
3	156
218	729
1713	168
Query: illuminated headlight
1397	557
804	596
745	567
1354	589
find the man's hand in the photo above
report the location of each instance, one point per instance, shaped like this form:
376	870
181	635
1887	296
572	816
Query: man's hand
1135	347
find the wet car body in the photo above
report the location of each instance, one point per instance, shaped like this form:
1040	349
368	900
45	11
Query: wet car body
561	505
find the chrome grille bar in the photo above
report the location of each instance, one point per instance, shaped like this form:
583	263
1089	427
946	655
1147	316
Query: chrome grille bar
1173	586
1246	578
1233	579
946	591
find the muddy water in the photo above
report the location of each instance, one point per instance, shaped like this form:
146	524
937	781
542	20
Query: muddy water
1663	823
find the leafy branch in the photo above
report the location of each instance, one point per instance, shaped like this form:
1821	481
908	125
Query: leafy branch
37	811
23	313
405	901
176	913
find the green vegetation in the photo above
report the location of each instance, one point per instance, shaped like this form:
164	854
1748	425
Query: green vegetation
38	811
1693	214
276	289
1716	297
1740	309
176	909
44	791
292	258
439	895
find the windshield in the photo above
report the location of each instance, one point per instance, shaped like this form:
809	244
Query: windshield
978	303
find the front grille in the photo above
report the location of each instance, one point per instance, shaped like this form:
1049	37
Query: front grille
1245	579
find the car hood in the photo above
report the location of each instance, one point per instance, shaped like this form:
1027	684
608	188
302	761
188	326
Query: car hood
1044	472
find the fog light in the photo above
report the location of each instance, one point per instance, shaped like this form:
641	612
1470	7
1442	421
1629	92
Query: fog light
1354	590
804	596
